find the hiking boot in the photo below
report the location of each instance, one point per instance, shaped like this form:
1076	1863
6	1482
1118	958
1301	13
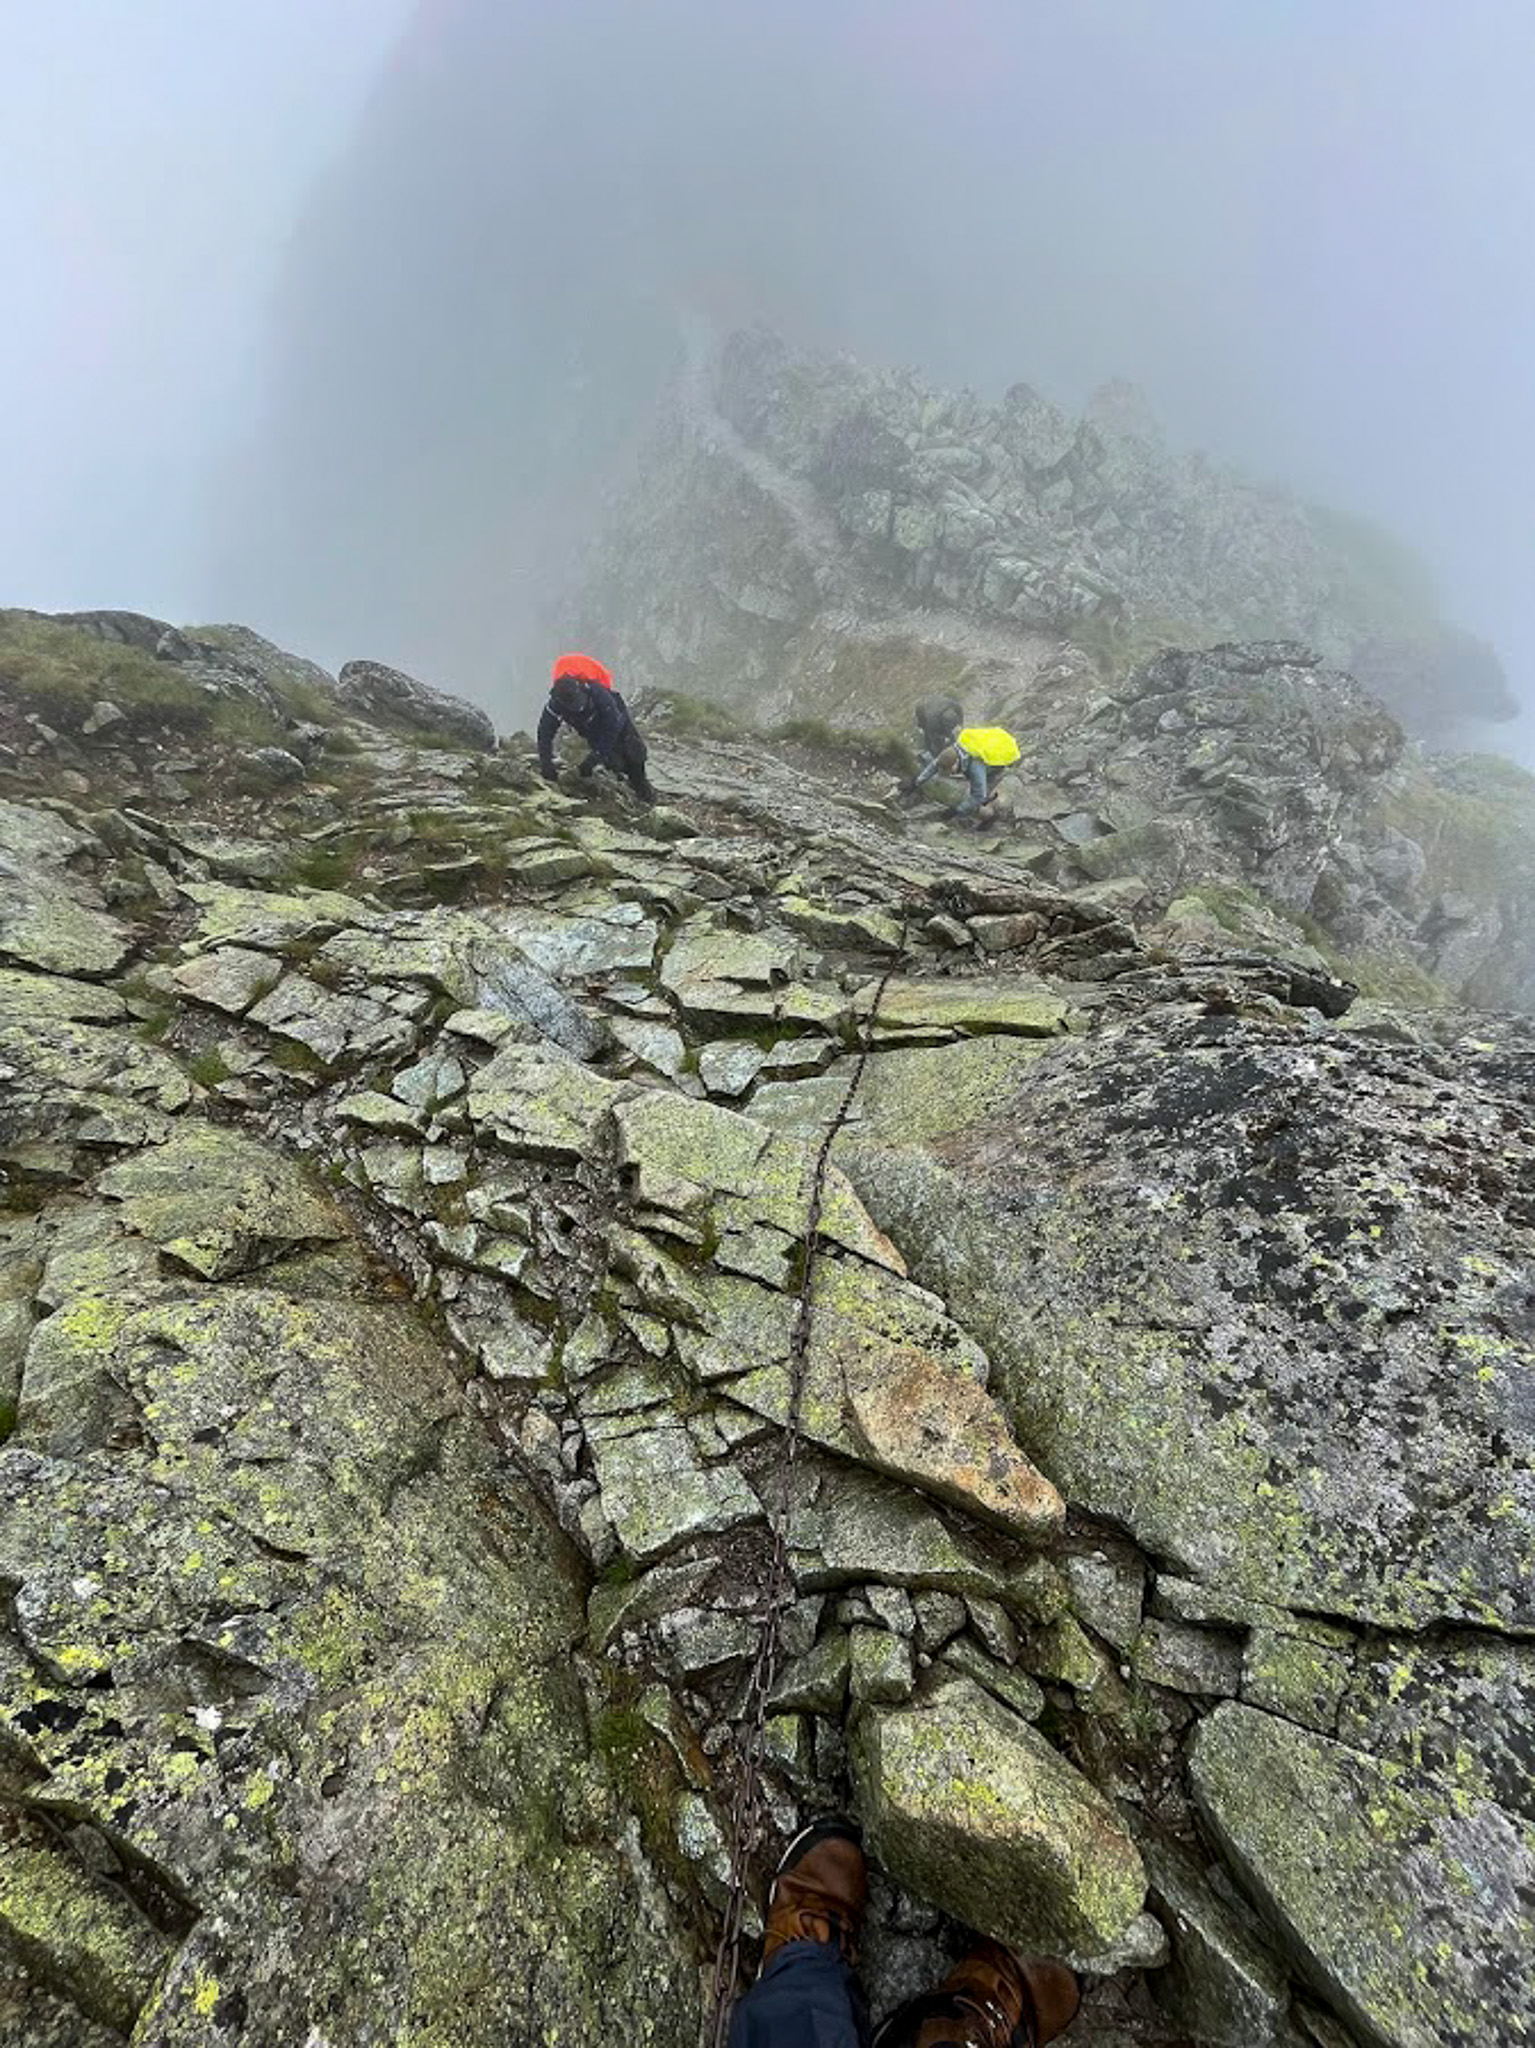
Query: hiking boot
988	2000
820	1889
1019	2005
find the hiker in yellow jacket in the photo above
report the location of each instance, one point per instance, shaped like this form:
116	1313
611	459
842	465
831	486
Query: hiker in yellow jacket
982	754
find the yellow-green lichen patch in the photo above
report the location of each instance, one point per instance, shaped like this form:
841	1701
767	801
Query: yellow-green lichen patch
77	1933
970	1807
1410	1897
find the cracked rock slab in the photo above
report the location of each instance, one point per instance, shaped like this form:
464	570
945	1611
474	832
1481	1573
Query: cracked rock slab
335	1028
1020	1005
1408	1903
217	1203
657	1492
968	1806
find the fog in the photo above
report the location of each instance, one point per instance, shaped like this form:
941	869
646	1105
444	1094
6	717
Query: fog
379	337
155	156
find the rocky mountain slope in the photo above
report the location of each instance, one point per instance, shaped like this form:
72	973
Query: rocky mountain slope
793	509
405	1172
817	542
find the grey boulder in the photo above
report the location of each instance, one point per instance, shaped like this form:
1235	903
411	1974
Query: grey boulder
394	698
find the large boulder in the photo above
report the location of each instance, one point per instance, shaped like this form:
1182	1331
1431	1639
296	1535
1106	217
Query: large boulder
1261	1298
969	1805
1408	1901
390	697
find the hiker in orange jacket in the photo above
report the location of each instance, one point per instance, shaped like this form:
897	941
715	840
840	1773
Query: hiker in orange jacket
582	696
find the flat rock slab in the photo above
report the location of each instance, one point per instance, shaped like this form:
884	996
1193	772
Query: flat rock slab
235	860
968	1806
269	921
229	979
538	1104
657	1492
53	1063
77	1931
1463	1710
1261	1297
217	1203
43	925
51	916
1408	1902
26	998
1018	1005
722	1005
730	1067
34	838
866	931
916	1417
617	937
708	952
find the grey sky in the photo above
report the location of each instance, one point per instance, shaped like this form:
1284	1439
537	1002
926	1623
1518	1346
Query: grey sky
1308	226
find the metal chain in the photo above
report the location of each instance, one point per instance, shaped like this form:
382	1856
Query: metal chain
779	1587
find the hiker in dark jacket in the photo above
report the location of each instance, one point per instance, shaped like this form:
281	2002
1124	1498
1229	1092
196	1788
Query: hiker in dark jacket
937	721
599	714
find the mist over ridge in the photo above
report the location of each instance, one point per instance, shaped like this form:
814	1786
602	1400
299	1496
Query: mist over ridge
1273	222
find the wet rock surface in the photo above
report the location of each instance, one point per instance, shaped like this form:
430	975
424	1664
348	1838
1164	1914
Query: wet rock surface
405	1217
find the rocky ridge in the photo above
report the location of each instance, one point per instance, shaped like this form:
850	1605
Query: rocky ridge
792	508
817	545
406	1165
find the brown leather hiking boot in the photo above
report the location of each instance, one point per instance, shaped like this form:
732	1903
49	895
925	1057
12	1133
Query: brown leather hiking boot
988	2000
821	1889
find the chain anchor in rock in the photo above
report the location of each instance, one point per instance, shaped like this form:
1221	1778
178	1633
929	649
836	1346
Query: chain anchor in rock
778	1589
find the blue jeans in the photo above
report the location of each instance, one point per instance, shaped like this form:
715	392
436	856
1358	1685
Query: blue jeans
807	1997
983	785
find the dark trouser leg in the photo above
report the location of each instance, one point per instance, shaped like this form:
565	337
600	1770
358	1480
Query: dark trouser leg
633	755
807	1997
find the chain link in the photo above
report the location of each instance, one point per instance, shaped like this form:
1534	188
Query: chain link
746	1820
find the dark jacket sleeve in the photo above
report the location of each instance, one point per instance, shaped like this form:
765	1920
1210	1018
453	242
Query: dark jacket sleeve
605	728
548	730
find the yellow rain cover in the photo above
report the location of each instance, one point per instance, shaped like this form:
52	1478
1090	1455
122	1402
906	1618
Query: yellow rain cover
989	743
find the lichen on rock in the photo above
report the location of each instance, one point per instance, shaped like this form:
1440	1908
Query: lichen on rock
412	1246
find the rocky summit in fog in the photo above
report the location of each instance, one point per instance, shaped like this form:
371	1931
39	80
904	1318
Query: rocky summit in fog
791	507
405	1169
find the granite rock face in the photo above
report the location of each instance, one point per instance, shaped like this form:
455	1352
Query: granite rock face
403	1280
297	1652
777	482
1198	1248
1351	1901
52	916
828	544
